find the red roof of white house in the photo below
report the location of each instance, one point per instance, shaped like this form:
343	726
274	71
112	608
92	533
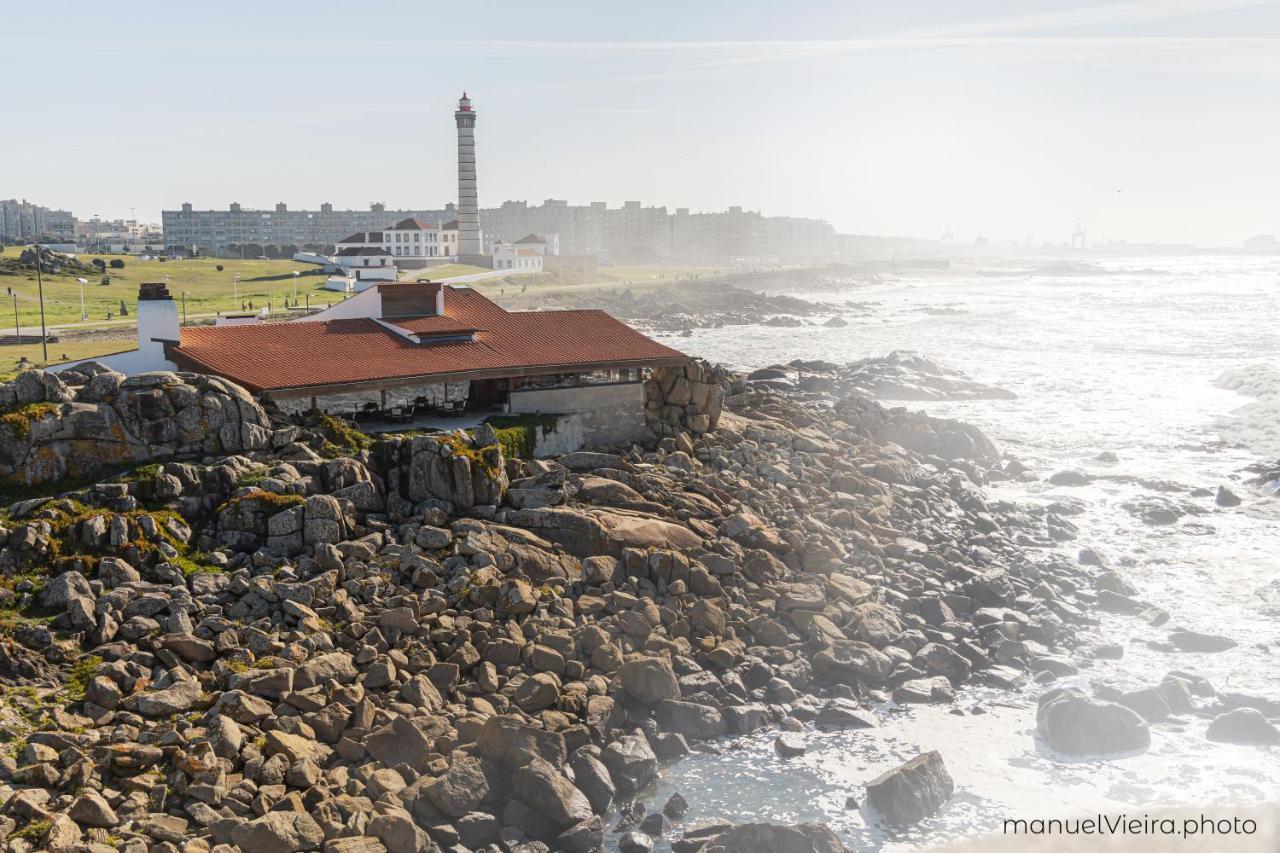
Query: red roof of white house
478	338
412	224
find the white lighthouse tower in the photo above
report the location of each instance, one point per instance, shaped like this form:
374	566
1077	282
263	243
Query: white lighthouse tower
470	245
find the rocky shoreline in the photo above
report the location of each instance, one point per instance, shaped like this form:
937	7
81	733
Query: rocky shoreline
274	642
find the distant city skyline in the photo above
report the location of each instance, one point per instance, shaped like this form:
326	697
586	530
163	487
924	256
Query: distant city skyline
1143	120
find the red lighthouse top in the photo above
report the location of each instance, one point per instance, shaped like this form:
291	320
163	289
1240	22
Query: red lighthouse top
464	104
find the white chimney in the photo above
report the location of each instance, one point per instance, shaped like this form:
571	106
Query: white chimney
157	322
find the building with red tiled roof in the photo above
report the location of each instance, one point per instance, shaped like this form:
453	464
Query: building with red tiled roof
404	337
412	347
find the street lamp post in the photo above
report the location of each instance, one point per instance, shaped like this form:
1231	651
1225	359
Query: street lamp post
44	336
295	287
83	315
235	288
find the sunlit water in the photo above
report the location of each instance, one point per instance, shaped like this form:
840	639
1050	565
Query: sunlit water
1130	358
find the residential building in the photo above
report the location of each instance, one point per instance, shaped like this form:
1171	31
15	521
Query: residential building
511	256
22	220
221	232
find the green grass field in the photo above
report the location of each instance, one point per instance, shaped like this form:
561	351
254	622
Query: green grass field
207	290
73	348
437	273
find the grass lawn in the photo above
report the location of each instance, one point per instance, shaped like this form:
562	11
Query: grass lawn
437	273
207	289
72	348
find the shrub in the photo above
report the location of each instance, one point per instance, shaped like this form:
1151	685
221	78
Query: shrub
218	267
117	264
518	434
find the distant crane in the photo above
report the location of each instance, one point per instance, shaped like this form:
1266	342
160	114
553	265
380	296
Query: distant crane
1077	237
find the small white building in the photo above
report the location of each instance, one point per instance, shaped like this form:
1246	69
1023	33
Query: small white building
510	256
360	269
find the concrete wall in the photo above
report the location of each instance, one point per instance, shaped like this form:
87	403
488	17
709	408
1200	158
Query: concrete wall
610	414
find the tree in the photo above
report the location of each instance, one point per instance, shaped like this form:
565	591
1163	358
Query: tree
117	264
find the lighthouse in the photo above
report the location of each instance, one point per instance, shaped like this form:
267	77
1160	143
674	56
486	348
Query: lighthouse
469	243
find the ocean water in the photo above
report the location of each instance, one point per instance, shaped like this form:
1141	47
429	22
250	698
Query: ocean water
1173	365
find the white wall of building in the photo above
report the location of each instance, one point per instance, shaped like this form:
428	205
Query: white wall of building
511	258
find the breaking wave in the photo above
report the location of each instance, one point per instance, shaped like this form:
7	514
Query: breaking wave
1255	424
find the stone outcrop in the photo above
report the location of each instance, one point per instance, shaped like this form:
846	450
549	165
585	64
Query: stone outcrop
688	398
424	645
79	424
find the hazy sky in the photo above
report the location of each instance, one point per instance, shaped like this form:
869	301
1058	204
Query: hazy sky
1143	120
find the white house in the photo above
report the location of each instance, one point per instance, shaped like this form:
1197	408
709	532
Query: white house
361	268
510	256
413	238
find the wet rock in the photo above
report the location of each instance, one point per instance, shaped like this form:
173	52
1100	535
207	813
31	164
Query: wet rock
1194	641
690	719
1245	726
635	842
631	762
913	791
789	745
585	837
676	807
1226	498
1071	723
769	838
542	787
1070	478
845	714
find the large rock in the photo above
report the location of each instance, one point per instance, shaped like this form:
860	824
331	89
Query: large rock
182	696
631	762
400	742
852	662
510	743
912	791
545	789
1244	725
1072	723
694	721
278	832
98	421
649	679
769	838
